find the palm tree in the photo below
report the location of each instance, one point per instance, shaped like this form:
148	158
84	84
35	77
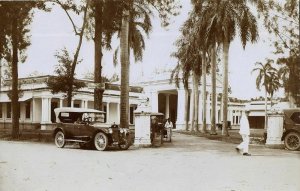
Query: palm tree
185	80
136	22
124	44
273	84
264	78
213	91
227	18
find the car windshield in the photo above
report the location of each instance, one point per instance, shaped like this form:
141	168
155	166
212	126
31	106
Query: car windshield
78	117
97	117
157	118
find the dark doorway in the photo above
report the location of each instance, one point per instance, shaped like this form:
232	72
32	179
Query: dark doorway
256	122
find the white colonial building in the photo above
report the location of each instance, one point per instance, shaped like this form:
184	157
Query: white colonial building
166	98
37	103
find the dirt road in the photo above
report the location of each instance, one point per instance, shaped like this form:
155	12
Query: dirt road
188	163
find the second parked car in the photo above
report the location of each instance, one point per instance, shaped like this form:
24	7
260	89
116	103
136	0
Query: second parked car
291	135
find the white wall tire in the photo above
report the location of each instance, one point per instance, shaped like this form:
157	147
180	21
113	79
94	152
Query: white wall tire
101	141
59	139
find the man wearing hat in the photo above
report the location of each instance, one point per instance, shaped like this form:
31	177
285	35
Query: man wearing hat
244	132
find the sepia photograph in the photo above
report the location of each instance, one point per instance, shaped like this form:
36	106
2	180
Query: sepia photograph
149	95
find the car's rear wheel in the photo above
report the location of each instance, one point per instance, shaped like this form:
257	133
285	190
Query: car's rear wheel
60	139
292	141
127	143
101	141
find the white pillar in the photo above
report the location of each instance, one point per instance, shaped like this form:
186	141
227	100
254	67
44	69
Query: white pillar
200	112
274	130
33	116
154	101
72	103
180	124
46	113
49	110
191	105
118	112
86	104
107	112
61	102
208	107
167	106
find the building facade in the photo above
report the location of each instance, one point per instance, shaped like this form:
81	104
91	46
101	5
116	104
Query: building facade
167	98
37	103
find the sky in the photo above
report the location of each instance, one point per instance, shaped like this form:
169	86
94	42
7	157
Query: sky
52	31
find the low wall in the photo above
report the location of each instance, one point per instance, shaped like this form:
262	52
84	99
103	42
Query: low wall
25	126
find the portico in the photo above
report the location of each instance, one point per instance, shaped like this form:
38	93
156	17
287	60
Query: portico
170	100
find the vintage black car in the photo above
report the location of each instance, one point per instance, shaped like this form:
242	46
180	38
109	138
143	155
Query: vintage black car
291	124
156	127
88	128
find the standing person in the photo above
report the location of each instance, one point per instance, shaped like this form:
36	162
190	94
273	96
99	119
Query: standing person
244	132
169	127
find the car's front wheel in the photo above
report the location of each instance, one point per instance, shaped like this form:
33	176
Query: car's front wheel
126	144
101	141
292	141
60	139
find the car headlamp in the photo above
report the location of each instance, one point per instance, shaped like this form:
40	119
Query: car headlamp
110	131
121	130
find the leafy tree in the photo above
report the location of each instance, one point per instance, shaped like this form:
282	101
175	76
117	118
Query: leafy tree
15	18
282	20
65	77
66	71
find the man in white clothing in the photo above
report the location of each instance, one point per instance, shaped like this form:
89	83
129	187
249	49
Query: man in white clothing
169	127
244	132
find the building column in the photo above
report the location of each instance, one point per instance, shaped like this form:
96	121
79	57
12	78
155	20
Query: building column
86	104
46	113
208	107
33	116
118	112
82	104
192	100
180	124
72	103
200	112
167	111
107	112
61	102
154	101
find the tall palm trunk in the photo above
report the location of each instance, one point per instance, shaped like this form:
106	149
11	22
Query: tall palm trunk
204	106
196	101
98	92
213	85
186	106
225	86
14	68
124	98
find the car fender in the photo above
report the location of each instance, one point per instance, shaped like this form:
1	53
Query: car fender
287	132
56	130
